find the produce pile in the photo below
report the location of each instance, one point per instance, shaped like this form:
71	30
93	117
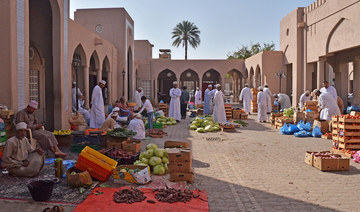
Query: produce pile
204	124
62	132
156	132
348	116
289	112
242	123
325	155
129	196
119	154
124	170
121	133
166	121
172	195
356	157
155	158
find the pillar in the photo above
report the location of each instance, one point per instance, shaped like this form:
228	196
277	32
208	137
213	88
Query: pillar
310	68
98	75
86	83
356	82
341	81
320	72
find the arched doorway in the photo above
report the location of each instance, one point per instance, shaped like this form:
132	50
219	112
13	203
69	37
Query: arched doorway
165	83
129	73
210	77
44	68
258	77
105	76
251	80
80	55
190	79
94	68
233	84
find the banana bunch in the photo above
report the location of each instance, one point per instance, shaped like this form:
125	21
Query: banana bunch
62	132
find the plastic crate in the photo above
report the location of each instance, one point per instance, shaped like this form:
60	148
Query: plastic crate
77	148
98	165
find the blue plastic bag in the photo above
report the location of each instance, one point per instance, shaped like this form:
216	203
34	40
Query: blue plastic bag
284	130
302	134
293	128
316	132
308	110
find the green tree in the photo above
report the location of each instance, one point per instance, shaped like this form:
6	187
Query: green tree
186	33
247	51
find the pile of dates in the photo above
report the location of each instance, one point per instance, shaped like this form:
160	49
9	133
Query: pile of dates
129	196
171	195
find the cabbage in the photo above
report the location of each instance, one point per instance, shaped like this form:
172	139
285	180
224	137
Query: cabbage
193	127
216	128
137	162
149	153
159	170
169	123
151	146
165	160
200	130
145	160
159	153
197	124
211	123
204	123
198	119
165	152
173	122
155	161
208	128
142	155
166	168
172	119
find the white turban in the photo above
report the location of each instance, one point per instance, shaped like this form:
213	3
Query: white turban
209	86
175	83
114	114
115	109
74	83
140	88
34	104
21	126
138	115
218	85
103	82
315	91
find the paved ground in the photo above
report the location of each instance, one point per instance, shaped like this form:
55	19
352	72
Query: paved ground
256	169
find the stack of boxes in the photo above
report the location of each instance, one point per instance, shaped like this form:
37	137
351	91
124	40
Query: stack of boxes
346	133
180	161
254	106
313	106
228	111
164	108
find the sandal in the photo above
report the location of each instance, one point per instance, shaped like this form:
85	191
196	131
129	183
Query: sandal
57	208
47	210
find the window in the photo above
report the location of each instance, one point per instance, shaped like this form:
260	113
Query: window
34	85
146	85
287	32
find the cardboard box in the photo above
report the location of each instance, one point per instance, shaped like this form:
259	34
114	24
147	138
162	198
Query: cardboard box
179	167
177	144
131	145
299	116
182	176
179	155
309	157
323	125
330	164
310	115
244	116
114	142
141	177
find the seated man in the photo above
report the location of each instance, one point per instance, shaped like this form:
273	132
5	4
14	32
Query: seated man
20	159
82	110
110	123
124	109
137	125
45	138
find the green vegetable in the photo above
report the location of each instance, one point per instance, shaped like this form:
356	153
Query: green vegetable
165	160
159	153
145	160
154	161
193	127
200	130
159	170
149	153
121	132
208	128
151	146
166	167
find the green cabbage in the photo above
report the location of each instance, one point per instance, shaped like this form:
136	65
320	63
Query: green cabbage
209	128
159	170
200	130
159	153
165	160
151	146
143	155
149	153
193	127
154	161
145	160
166	167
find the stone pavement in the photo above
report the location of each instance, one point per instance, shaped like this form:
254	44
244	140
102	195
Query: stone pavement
257	169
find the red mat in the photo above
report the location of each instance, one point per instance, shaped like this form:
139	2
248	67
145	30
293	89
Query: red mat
104	202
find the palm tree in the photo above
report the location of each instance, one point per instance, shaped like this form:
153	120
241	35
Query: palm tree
186	33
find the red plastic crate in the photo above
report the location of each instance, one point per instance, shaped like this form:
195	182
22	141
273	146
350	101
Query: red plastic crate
95	170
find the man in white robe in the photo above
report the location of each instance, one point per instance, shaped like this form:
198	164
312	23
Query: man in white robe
329	89
246	97
174	108
304	98
97	114
262	100
328	105
73	92
137	125
207	101
269	93
82	110
211	95
283	100
137	98
197	96
219	108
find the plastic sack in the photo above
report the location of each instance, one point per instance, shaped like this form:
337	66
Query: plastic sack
293	128
316	132
308	110
302	134
284	130
302	126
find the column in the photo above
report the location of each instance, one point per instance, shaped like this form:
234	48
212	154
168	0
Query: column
320	72
341	81
98	75
86	83
310	68
356	82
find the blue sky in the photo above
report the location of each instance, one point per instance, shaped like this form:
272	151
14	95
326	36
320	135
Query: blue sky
225	25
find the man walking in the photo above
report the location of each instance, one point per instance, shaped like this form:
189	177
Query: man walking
269	93
198	96
207	101
246	97
219	108
97	114
174	108
262	100
184	98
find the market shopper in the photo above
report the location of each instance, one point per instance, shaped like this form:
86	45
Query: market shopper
149	110
304	98
124	109
340	104
283	100
46	139
82	110
269	93
97	114
262	101
73	92
198	96
328	105
174	108
328	89
219	108
211	96
184	99
207	101
137	98
110	123
19	157
246	97
137	125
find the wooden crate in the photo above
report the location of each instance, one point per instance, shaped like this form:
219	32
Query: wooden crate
236	114
349	145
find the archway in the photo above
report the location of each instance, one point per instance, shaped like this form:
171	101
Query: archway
251	80
190	79
233	84
257	77
211	77
129	73
165	83
80	55
94	68
105	76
